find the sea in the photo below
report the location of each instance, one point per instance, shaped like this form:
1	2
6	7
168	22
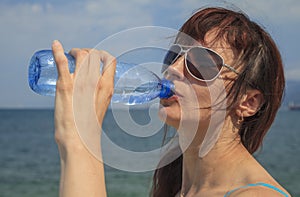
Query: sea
30	167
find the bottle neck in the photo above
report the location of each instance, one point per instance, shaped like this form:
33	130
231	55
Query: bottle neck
167	88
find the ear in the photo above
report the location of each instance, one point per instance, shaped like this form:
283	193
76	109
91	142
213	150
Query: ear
250	103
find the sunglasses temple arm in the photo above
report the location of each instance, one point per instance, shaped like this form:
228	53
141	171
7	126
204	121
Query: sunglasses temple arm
232	69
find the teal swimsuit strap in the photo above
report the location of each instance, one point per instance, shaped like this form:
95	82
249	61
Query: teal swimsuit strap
258	184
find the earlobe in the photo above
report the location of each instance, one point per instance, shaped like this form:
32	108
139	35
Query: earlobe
250	103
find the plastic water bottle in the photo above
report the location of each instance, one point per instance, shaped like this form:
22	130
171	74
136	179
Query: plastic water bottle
133	84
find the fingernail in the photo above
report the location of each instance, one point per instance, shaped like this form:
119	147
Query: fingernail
55	42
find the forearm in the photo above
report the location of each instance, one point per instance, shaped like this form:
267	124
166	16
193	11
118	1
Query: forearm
81	173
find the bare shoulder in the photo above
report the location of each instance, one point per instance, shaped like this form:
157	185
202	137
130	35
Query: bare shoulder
259	192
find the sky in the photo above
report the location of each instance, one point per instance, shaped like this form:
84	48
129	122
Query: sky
27	26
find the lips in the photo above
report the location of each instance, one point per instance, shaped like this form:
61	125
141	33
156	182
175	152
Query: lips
169	101
173	99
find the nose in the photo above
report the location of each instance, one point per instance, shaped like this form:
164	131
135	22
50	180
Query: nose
175	71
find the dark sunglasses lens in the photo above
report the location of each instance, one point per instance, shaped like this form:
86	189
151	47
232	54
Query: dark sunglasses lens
203	63
171	56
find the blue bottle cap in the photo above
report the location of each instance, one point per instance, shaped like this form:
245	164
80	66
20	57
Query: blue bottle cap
167	89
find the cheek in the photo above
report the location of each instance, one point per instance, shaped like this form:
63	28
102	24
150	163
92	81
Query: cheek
203	95
204	99
211	95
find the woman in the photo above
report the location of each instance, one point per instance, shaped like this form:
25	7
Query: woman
217	160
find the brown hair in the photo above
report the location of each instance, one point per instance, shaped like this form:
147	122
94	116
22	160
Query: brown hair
261	69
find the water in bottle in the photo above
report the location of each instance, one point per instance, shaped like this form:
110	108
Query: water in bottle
134	84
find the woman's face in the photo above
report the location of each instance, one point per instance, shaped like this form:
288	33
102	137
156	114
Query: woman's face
193	98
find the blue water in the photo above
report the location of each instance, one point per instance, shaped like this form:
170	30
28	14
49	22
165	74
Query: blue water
29	160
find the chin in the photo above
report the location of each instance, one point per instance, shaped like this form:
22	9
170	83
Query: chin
170	115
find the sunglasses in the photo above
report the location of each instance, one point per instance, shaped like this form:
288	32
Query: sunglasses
201	63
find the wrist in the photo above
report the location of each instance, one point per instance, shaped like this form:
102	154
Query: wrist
74	148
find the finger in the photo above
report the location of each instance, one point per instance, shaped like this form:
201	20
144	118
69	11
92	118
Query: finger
86	49
60	60
109	65
81	57
94	64
105	85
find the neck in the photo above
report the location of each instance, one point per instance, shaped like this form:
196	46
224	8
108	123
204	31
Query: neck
218	168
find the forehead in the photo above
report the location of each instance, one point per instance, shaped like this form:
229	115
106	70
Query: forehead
219	45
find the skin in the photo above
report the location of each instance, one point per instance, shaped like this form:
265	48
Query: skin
227	166
81	173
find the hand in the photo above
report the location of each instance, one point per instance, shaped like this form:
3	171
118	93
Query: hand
83	95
